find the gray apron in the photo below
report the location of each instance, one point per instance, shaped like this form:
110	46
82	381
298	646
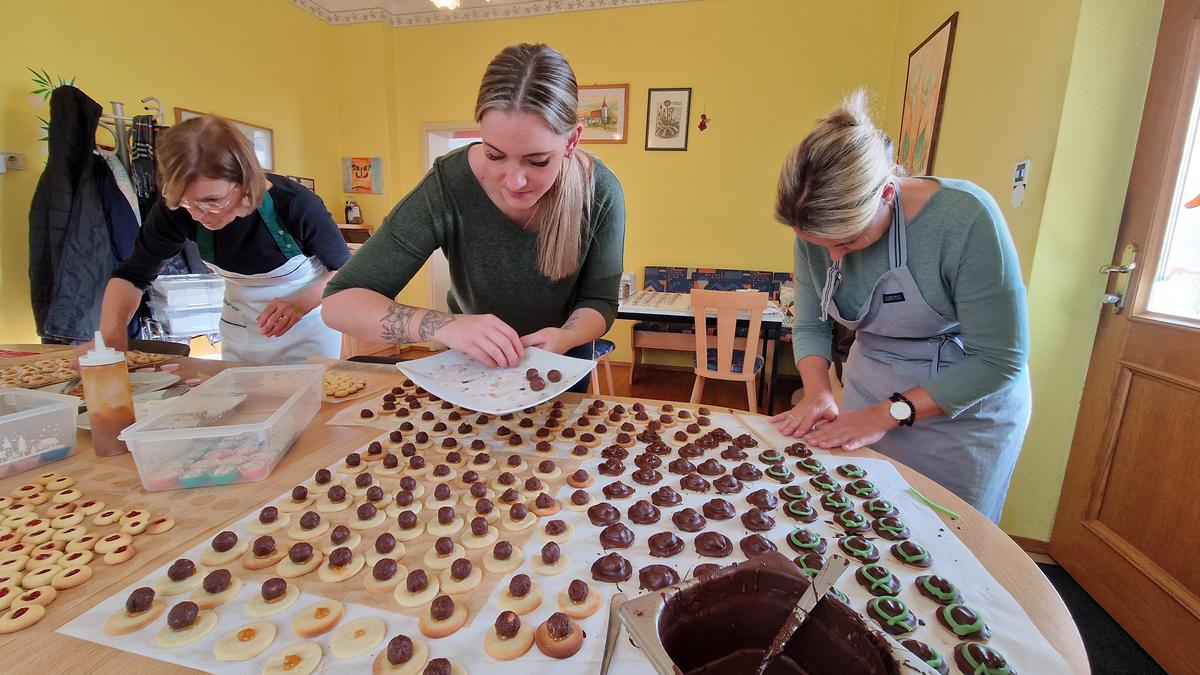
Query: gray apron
902	343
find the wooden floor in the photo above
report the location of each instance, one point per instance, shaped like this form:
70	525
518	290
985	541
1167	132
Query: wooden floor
672	385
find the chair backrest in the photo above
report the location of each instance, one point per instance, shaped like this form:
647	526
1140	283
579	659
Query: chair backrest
728	306
161	347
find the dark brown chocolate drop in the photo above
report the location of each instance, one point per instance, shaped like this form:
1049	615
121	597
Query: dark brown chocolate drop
139	600
183	615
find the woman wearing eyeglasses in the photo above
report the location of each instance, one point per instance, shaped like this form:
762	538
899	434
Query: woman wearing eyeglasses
271	239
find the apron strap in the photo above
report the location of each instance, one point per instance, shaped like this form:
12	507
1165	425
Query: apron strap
270	217
898	234
833	279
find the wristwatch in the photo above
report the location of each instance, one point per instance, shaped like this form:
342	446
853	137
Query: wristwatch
902	410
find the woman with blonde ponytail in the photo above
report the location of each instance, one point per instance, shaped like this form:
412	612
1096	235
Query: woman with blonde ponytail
532	226
924	271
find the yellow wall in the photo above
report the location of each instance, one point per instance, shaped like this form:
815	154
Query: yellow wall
262	62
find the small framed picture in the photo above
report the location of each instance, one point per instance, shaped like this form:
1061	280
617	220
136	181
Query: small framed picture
604	111
668	115
306	182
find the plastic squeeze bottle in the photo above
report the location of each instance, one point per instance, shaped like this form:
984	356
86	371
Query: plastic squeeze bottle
109	396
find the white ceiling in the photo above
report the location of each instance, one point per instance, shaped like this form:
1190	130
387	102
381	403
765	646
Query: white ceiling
423	12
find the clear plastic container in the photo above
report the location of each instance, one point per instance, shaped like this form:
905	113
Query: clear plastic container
36	428
187	320
233	428
188	290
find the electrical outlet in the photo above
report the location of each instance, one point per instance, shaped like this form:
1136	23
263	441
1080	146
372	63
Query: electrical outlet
14	161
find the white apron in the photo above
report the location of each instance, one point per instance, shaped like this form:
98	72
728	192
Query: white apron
247	295
902	343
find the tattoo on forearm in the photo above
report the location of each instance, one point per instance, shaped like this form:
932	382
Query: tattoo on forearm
432	322
394	324
570	322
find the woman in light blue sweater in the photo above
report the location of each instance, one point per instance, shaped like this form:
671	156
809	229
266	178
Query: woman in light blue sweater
925	272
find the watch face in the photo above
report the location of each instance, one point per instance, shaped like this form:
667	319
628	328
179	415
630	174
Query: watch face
898	410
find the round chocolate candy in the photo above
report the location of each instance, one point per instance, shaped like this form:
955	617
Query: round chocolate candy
644	513
611	568
299	493
519	586
478	490
479	526
555	527
340	557
310	520
408	483
340	535
322	476
503	550
385	543
366	511
363	480
139	600
719	509
508	624
579	497
416	581
353	459
713	545
400	650
224	541
217	581
273	589
407	520
558	626
518	512
688	520
484	506
510	496
263	546
441	608
666	496
445	515
182	569
336	494
404	499
300	552
460	569
657	577
616	535
578	591
551	553
544	501
443	546
664	544
183	615
375	494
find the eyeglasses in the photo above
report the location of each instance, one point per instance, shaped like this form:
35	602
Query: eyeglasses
210	205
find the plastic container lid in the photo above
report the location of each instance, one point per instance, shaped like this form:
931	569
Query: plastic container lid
101	354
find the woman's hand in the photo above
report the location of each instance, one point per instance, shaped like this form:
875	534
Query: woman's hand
852	430
279	317
484	337
812	408
554	340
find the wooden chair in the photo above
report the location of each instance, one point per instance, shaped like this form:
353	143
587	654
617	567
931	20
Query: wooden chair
723	362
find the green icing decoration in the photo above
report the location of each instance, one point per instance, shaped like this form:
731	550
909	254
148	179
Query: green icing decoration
936	661
778	472
813	543
771	456
887	506
881	582
795	492
799	507
981	668
810	571
936	592
919	556
903	619
839	595
863	490
852	471
811	465
852	519
960	629
863	552
840	503
824	482
896	529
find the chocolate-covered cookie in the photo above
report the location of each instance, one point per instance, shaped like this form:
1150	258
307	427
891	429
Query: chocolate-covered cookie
965	622
912	553
688	520
976	659
713	545
603	514
747	472
754	545
718	509
616	535
644	513
862	489
757	520
801	510
664	544
657	577
859	548
892	615
929	655
878	580
666	496
890	527
939	589
763	499
804	540
611	568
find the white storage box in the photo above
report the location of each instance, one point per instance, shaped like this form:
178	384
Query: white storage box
36	428
188	290
233	428
187	320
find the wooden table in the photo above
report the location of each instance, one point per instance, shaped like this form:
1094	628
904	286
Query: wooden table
201	512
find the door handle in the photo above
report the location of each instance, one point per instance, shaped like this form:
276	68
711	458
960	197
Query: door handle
1116	299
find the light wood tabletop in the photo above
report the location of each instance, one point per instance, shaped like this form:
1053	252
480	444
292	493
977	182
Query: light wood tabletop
201	512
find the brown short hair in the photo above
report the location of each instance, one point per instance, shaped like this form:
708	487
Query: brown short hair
207	147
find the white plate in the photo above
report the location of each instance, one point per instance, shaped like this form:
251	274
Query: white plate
462	380
140	383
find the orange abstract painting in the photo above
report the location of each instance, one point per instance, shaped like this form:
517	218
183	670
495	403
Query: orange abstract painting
924	93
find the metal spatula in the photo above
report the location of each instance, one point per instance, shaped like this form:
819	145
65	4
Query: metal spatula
824	580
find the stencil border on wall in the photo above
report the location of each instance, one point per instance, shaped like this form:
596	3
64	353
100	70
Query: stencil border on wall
620	96
655	140
925	115
261	138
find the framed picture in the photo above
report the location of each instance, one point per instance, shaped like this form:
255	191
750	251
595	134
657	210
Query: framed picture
604	111
362	175
306	182
924	94
668	115
261	138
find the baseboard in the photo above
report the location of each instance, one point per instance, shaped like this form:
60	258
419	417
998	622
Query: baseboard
1031	545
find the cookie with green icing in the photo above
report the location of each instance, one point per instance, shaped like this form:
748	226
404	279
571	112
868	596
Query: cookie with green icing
790	492
810	563
770	457
862	488
938	589
927	654
859	548
973	658
911	553
878	508
852	521
798	449
892	615
801	510
878	580
964	621
780	473
804	540
852	471
891	528
835	502
810	465
825	483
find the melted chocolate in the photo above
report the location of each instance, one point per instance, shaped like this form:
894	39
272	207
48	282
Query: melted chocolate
728	485
646	476
756	520
694	483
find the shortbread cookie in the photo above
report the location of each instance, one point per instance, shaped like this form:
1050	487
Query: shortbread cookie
301	658
310	526
579	600
403	656
42	595
302	558
357	637
443	618
551	560
444	552
418	588
224	549
522	595
246	642
141	610
509	638
263	553
217	588
318	618
503	558
461	577
183	576
385	575
120	555
558	637
160	524
20	618
71	577
341	564
112	542
75	559
275	596
270	520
